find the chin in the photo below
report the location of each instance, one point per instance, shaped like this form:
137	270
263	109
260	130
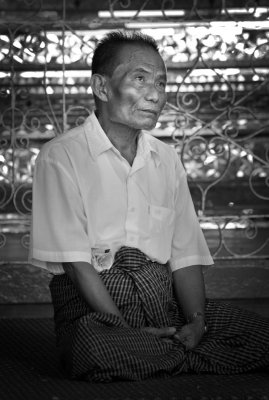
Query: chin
145	124
149	127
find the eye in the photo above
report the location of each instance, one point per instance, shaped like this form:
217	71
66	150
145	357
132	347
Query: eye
161	84
140	78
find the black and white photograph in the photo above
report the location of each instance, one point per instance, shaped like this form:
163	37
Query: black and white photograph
134	200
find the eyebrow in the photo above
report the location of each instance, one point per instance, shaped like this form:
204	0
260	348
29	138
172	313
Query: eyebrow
144	70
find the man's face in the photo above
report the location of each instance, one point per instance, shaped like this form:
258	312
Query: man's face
137	88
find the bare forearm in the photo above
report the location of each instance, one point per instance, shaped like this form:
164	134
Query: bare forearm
190	289
190	293
92	288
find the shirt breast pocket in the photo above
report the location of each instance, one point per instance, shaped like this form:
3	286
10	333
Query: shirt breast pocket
161	219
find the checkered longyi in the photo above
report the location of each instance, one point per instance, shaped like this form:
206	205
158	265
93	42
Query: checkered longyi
96	347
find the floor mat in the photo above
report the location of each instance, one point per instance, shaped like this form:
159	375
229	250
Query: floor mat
29	370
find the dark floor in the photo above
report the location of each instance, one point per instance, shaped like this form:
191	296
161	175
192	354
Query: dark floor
28	360
29	371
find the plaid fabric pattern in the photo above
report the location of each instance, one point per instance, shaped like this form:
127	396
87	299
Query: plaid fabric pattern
96	347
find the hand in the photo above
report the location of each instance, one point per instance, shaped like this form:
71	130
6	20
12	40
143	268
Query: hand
166	334
191	334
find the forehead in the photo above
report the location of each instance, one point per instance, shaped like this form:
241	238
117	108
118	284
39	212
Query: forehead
132	57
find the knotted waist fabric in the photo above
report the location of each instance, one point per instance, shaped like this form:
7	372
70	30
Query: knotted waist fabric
96	347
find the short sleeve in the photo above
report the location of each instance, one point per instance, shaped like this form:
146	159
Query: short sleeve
59	224
189	246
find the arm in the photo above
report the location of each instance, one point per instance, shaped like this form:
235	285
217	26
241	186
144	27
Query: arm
96	295
189	252
91	288
189	290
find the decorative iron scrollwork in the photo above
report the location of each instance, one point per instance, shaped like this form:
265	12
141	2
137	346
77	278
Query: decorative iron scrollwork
216	114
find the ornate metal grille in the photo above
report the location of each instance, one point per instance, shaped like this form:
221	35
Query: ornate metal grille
216	115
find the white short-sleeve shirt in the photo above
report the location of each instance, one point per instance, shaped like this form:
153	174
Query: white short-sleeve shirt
88	200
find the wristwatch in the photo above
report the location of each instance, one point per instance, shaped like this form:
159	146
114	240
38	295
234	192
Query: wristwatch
195	315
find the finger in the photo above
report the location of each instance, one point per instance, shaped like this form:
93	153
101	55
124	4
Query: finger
166	340
167	331
187	339
149	329
177	336
182	334
189	344
161	332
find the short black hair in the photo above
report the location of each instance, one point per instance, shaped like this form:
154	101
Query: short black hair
105	54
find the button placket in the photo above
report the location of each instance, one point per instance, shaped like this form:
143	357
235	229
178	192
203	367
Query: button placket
130	223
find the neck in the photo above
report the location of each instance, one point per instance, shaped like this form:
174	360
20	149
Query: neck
123	138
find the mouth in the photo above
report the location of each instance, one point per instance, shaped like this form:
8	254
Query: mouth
152	112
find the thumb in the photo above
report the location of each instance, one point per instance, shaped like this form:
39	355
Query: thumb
186	338
182	335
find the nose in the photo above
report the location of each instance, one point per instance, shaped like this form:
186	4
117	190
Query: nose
152	94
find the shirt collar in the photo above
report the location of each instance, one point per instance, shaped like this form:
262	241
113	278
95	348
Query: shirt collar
147	146
98	141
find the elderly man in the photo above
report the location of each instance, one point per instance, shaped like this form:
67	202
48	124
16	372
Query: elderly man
114	222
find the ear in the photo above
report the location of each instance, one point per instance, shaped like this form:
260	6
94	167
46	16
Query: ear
99	86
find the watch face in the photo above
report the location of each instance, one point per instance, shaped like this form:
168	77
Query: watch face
198	314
